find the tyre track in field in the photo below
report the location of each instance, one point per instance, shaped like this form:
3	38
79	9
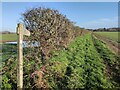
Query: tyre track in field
111	71
114	46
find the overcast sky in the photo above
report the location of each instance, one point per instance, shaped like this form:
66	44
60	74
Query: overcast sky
88	14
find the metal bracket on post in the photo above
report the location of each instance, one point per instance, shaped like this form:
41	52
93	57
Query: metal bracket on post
20	32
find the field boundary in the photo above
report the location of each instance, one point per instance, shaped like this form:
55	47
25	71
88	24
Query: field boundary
114	46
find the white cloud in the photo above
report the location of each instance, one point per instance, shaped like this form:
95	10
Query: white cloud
101	23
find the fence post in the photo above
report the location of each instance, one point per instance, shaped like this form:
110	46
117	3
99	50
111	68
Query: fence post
20	32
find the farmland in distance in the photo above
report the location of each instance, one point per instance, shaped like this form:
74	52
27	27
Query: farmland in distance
110	35
8	37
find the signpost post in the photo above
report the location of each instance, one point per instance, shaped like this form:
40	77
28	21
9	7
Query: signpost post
20	32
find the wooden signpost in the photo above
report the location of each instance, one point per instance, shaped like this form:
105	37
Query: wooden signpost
20	32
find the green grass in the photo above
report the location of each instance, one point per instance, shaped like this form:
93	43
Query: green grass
8	50
84	64
110	35
8	37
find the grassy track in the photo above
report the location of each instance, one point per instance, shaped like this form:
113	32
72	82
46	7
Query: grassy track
88	63
110	35
8	37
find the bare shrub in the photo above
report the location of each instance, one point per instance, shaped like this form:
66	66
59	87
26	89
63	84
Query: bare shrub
51	29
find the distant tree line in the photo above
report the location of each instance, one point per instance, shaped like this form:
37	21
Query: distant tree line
106	30
6	32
